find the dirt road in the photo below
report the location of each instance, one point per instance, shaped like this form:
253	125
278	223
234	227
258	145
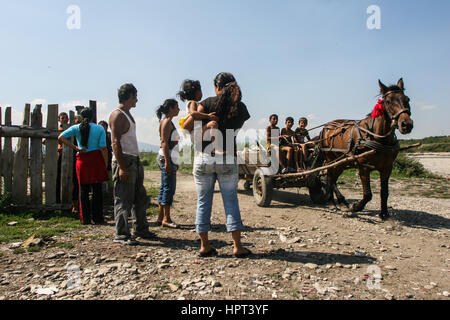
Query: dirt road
438	163
301	251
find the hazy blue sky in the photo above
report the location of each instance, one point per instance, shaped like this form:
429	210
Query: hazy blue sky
295	58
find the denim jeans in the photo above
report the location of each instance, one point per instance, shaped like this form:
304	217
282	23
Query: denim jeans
168	183
206	173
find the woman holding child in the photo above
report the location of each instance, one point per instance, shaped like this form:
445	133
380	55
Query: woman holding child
210	167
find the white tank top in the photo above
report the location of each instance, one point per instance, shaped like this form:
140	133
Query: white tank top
188	104
128	141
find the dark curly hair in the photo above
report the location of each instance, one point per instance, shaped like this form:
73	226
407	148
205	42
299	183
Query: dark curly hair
230	96
188	89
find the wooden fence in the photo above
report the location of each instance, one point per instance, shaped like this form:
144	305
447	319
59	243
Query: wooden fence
29	174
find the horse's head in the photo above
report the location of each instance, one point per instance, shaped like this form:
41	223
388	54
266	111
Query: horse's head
397	106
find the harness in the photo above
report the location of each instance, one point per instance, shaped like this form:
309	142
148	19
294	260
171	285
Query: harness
357	144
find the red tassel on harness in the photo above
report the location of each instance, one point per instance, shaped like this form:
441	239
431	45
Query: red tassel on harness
378	110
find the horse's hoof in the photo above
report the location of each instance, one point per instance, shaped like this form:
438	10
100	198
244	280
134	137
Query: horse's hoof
384	216
354	208
349	214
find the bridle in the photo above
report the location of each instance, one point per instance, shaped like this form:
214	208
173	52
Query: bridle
396	116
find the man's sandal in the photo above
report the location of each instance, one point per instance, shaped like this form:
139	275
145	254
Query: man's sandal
171	225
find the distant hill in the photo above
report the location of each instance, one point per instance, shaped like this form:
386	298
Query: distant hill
430	144
145	147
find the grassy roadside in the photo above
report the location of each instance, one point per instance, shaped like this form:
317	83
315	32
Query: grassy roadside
20	226
149	162
42	225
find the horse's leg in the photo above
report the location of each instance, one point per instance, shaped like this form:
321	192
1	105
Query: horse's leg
339	196
330	186
384	177
364	174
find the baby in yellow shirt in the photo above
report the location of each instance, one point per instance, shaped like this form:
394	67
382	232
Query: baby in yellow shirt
191	91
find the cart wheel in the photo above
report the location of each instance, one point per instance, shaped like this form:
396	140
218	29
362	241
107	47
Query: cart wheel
247	185
262	189
318	188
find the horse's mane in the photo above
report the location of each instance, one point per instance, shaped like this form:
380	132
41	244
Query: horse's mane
390	88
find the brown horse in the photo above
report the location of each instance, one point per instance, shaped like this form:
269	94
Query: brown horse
341	138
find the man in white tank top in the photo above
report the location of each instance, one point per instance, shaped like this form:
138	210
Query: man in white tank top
130	196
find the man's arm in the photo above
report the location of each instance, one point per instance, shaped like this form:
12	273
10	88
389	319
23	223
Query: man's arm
103	148
119	126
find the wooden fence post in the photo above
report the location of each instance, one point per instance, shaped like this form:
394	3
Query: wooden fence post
36	158
20	168
51	153
67	171
93	107
79	108
71	117
7	156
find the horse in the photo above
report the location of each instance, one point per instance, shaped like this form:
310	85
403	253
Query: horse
342	138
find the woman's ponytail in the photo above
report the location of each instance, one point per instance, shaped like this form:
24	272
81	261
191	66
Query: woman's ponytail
164	108
85	127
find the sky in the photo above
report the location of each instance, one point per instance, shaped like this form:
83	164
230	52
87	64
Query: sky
295	58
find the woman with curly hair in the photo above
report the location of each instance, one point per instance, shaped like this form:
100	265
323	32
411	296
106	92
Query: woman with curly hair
210	167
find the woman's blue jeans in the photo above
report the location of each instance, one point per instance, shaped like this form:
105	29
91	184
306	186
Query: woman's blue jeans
168	183
206	173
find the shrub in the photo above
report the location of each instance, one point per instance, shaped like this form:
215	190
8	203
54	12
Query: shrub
409	167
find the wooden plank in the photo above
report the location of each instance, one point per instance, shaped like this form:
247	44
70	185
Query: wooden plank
79	108
20	167
28	132
51	157
71	117
7	162
93	107
36	159
66	172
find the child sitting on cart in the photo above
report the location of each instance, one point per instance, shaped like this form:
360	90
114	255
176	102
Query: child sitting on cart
272	128
300	134
288	145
